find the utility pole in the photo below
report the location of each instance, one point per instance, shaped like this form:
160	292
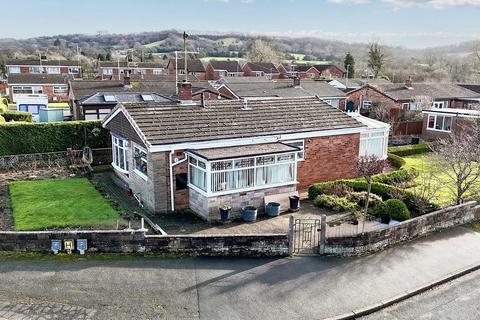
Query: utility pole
185	66
185	52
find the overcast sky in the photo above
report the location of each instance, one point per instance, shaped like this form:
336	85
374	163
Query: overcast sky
410	23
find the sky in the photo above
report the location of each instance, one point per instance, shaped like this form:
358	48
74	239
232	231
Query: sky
409	23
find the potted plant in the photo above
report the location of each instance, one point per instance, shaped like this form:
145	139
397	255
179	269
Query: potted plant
273	209
294	203
225	211
249	213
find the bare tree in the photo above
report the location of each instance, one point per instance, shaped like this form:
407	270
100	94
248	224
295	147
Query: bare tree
427	190
262	51
423	102
458	156
368	166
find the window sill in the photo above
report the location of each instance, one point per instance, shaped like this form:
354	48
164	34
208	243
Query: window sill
437	130
141	174
117	168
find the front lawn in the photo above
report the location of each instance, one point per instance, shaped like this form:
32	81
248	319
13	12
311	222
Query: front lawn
60	203
425	164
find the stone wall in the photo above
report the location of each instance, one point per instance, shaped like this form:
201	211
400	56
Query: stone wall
380	239
208	208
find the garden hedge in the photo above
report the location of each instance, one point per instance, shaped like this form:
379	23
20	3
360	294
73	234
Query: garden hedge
22	138
17	116
410	150
401	175
396	161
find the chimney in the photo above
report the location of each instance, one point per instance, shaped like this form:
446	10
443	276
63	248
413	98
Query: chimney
126	79
296	82
409	82
185	92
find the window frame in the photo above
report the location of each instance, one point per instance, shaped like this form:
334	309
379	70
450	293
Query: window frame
367	102
50	70
435	118
16	69
60	89
143	175
302	147
124	148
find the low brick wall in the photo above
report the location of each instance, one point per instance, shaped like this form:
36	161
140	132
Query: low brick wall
272	245
380	239
137	242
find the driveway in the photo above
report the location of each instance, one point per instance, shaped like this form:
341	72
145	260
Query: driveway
221	288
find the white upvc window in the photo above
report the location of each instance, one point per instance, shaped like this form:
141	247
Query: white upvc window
27	90
73	70
259	73
232	74
440	104
14	69
181	71
107	71
242	174
366	104
439	123
35	69
53	70
299	144
157	71
374	143
120	154
140	162
60	89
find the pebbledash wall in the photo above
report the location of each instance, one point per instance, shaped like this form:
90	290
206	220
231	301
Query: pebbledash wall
380	239
136	241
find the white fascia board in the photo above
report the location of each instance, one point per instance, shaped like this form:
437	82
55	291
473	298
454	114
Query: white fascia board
253	140
451	114
130	120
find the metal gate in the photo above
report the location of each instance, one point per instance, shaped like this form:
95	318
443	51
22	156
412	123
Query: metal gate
306	236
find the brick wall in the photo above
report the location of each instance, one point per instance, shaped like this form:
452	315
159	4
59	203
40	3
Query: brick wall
211	74
367	93
380	239
328	158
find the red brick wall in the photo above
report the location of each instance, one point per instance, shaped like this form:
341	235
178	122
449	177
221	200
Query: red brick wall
211	74
332	72
180	196
48	90
328	158
370	94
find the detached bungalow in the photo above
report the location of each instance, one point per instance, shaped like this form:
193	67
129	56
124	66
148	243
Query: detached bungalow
54	86
221	69
202	156
261	69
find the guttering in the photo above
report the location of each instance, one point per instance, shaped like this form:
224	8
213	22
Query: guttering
172	193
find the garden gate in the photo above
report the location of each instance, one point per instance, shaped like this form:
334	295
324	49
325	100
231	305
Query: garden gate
307	236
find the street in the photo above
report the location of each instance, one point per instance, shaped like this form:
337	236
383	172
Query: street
457	300
226	288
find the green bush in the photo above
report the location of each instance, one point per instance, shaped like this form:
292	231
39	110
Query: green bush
17	116
21	138
397	210
2	119
409	150
360	197
396	177
378	210
334	203
396	161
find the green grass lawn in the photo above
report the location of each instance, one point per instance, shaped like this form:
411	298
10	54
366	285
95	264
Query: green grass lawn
56	203
425	164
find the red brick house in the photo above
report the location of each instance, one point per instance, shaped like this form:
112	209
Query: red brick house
324	71
221	69
235	152
42	66
261	69
403	96
195	68
287	71
55	86
114	70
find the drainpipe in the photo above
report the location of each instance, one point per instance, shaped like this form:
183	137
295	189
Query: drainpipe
172	193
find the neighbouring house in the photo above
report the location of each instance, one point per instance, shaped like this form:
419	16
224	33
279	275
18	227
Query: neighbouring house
55	86
204	155
261	88
440	123
287	71
114	70
221	69
71	68
96	98
195	68
346	84
403	96
321	71
261	69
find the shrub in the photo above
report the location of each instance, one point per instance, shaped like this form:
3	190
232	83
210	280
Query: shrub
378	211
2	119
409	150
339	190
396	161
334	203
21	138
396	177
397	210
360	197
17	116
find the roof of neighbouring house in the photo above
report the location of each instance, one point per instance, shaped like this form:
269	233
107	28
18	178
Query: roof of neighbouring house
229	66
323	67
125	64
399	91
455	111
244	151
170	123
194	65
281	88
302	67
32	62
266	67
84	88
472	87
99	98
36	78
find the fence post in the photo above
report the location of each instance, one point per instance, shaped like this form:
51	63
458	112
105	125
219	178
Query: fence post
290	235
323	233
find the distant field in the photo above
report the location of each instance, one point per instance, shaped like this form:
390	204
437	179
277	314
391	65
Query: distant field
300	56
153	44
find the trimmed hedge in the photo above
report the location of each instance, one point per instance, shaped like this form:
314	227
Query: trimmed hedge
410	150
396	161
22	138
395	177
335	203
397	210
17	116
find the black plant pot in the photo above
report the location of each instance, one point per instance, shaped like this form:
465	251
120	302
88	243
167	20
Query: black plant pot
225	214
294	203
385	218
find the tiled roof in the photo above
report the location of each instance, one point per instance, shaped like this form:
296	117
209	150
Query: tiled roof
472	87
266	67
19	62
194	65
229	66
124	64
168	123
398	91
322	67
41	78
